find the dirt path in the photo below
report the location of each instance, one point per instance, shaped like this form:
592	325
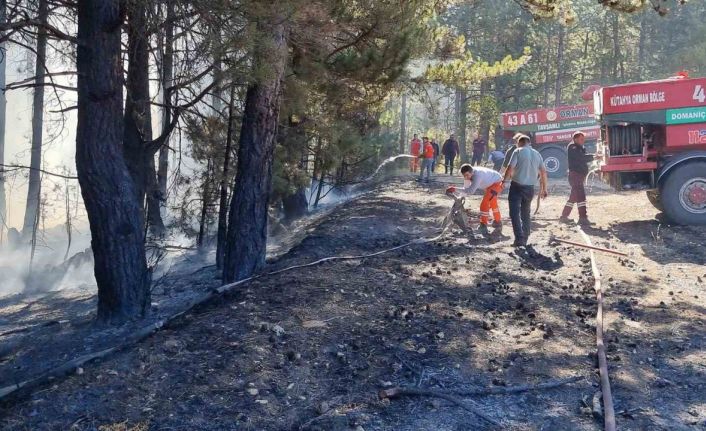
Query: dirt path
310	349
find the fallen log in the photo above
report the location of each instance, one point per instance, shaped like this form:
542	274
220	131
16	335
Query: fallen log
37	325
554	239
400	391
500	390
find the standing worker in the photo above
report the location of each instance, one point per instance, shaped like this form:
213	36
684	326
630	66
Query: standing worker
578	170
492	182
510	151
450	150
427	157
526	164
436	154
415	149
478	151
496	157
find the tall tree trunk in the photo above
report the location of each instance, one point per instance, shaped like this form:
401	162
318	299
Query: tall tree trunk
462	122
616	47
295	205
484	120
641	48
167	77
517	93
205	203
223	203
559	66
584	64
403	125
217	96
3	103
108	190
546	72
138	117
603	49
319	188
247	227
35	180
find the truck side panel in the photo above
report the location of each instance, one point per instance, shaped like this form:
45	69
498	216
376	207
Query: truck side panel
656	95
592	133
685	137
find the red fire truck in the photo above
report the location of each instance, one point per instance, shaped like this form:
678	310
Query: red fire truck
653	136
551	130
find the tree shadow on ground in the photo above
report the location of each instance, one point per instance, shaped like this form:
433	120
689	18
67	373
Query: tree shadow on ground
664	244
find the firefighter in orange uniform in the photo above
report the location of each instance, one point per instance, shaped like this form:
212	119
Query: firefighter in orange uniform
416	148
427	157
482	178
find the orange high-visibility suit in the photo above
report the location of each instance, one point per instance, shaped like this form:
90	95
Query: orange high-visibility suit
492	182
416	148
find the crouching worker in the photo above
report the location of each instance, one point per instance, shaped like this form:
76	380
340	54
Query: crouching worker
482	178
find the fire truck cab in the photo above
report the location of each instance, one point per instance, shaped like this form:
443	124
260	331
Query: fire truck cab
653	137
550	130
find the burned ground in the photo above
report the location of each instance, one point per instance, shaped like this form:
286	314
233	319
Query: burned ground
310	348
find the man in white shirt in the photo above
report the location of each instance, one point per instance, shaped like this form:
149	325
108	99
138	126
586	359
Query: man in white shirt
489	180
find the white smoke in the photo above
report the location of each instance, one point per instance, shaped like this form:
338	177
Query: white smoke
331	195
47	271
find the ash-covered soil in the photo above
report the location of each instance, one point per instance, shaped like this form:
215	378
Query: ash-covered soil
311	348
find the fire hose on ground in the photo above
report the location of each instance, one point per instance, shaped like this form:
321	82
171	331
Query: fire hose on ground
608	409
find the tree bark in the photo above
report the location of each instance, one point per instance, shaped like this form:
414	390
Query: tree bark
3	104
205	202
584	64
546	72
247	228
138	116
603	49
108	190
616	47
34	188
319	188
462	122
559	66
403	125
641	48
223	204
295	205
167	77
484	123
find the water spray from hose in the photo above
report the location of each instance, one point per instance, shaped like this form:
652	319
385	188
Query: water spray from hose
387	162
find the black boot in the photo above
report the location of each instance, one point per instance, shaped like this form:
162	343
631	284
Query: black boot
584	221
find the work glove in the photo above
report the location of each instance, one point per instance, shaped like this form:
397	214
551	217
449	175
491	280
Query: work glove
451	190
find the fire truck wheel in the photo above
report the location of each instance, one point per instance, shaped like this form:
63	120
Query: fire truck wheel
684	194
655	199
555	162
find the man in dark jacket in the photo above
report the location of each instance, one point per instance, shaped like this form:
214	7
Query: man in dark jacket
578	169
450	150
478	151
